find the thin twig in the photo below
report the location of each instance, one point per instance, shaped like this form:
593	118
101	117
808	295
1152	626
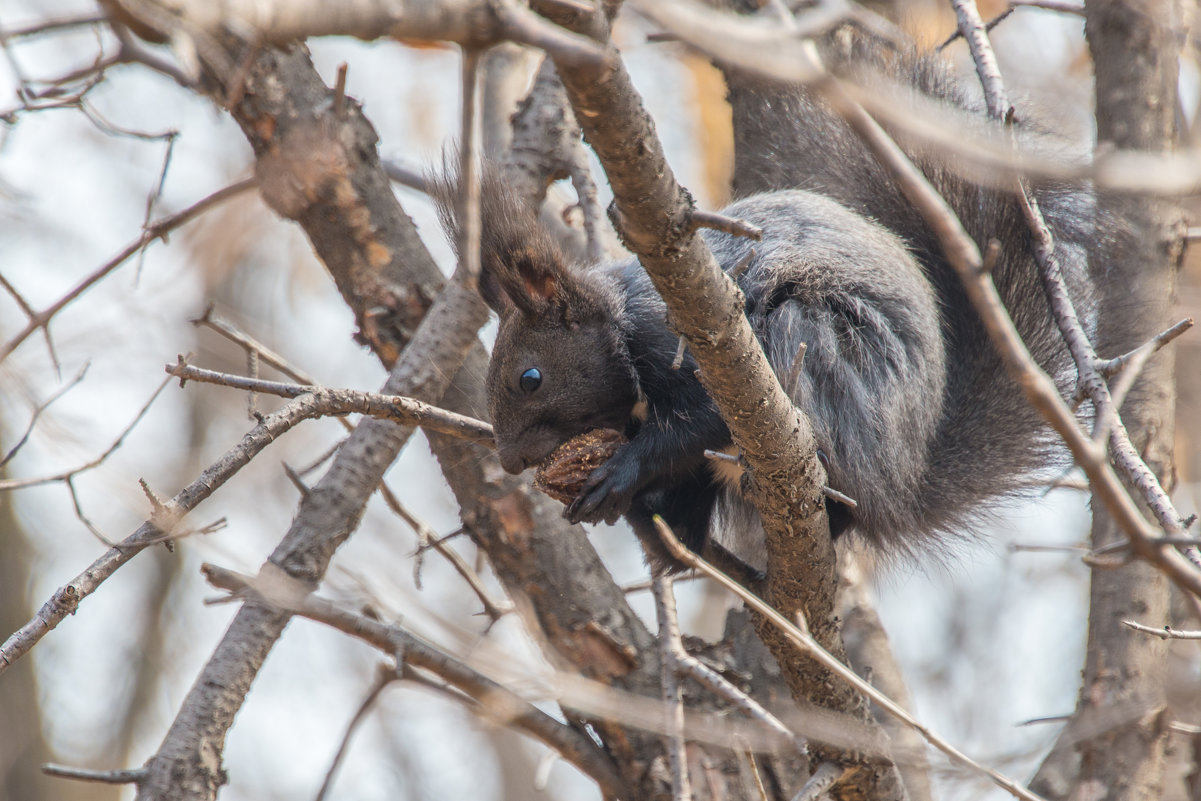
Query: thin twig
33	420
809	646
406	176
1112	367
823	779
131	776
52	25
677	361
21	483
384	676
347	401
468	211
722	222
710	678
66	599
340	91
429	539
742	264
158	230
1165	633
673	699
249	343
844	499
280	591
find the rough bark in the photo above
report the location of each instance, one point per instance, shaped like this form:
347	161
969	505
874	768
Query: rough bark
654	219
1114	745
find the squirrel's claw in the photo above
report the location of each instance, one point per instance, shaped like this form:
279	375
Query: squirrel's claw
606	495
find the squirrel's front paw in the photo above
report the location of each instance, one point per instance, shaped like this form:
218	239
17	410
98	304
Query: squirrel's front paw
606	494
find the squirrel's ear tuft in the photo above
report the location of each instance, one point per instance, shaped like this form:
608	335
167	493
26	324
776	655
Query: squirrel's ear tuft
522	267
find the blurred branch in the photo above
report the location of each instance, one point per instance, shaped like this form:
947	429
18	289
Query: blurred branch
157	230
20	483
670	643
429	540
384	676
279	591
37	412
773	51
51	26
471	23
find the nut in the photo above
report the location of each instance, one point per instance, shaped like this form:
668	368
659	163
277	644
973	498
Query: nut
562	474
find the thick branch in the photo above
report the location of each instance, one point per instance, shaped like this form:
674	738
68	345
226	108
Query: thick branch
654	216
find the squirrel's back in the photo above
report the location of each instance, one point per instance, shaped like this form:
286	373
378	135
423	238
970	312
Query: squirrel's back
986	439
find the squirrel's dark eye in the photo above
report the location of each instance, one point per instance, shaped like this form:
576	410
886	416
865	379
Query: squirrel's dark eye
531	379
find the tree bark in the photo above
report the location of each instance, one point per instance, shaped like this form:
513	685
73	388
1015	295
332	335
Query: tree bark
1114	746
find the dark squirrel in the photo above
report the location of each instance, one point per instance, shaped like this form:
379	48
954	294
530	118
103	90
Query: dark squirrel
913	412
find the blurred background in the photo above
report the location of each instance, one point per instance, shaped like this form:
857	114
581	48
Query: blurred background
988	639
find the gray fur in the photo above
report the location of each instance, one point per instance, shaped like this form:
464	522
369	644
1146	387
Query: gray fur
909	401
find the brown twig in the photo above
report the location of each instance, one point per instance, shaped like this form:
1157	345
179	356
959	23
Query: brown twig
673	699
384	676
66	599
805	642
722	222
278	590
347	401
428	538
52	25
157	230
131	776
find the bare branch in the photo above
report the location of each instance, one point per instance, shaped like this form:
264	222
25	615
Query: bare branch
430	539
33	420
1165	633
471	23
772	51
720	222
407	411
673	699
20	483
66	599
826	775
52	26
132	776
1116	365
158	230
805	642
384	676
279	591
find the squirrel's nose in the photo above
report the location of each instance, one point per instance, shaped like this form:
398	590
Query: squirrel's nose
511	460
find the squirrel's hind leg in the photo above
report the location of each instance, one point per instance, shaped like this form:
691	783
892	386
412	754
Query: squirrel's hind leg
686	507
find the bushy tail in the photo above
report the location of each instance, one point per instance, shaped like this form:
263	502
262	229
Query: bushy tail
988	437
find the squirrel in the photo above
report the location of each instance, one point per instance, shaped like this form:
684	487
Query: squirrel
915	418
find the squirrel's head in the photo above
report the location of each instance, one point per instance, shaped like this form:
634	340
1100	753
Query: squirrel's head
559	365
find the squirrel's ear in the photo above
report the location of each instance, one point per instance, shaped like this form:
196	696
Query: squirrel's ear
530	275
522	267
